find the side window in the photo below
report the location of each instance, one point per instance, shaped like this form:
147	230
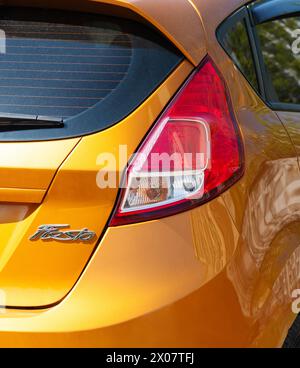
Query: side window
280	46
235	40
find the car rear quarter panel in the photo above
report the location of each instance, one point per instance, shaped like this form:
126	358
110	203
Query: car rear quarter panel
232	265
264	205
233	260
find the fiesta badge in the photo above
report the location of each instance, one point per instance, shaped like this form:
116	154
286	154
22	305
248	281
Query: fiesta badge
56	232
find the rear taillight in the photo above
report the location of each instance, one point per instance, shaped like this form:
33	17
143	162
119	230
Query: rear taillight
192	154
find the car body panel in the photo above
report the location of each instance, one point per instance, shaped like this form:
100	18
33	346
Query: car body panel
170	272
32	165
224	289
192	43
221	275
81	204
291	120
187	14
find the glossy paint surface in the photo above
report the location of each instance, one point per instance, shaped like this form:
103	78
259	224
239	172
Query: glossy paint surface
168	16
220	275
74	199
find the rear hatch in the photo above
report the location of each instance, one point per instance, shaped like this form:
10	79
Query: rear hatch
66	80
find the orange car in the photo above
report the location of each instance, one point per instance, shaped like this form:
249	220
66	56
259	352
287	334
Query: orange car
149	173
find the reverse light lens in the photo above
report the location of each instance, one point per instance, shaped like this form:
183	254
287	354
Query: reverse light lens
192	154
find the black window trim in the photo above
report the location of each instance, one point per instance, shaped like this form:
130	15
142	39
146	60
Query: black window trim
242	15
267	87
251	20
268	10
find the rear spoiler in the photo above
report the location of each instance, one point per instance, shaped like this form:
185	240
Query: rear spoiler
178	20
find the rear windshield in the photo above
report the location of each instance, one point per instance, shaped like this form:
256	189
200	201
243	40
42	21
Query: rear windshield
87	70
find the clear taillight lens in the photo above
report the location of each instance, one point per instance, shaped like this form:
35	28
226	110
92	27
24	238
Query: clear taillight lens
192	154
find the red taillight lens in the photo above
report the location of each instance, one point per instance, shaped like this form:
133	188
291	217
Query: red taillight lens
192	154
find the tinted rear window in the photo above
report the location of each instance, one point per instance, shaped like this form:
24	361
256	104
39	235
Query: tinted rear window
54	68
88	70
